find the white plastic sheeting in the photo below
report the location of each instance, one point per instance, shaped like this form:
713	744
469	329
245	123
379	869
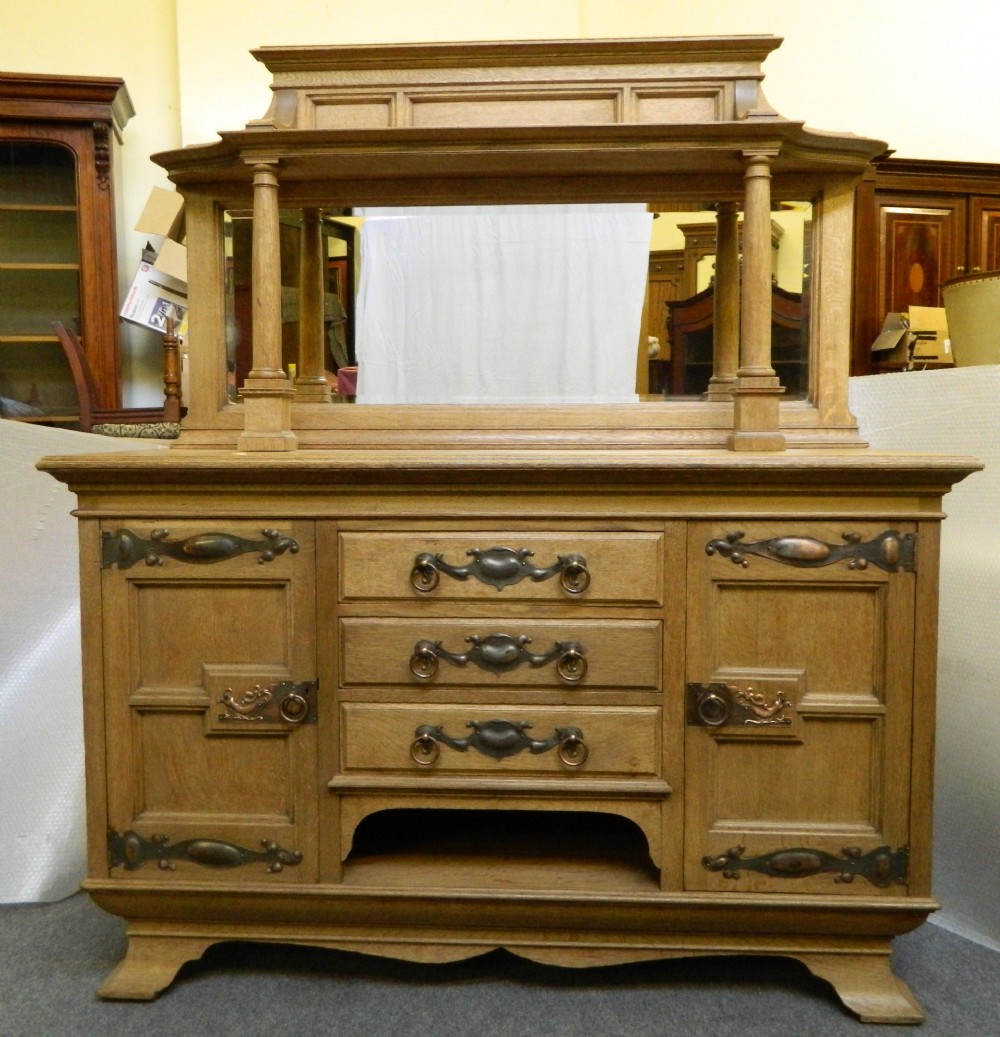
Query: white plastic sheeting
501	304
957	411
41	711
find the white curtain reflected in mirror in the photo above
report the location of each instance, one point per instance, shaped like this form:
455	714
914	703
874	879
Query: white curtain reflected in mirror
501	304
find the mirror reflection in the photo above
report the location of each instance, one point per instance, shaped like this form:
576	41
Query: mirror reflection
669	351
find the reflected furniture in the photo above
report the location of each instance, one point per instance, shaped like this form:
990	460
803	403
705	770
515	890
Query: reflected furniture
58	141
690	325
592	684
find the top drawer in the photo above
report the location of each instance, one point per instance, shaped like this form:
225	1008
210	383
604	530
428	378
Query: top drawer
602	568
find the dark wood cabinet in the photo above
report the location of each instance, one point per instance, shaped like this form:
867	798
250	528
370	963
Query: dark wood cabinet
918	223
690	327
58	135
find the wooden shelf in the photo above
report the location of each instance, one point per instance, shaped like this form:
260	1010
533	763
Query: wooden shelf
513	849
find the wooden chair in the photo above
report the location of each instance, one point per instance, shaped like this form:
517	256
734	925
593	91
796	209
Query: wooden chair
134	422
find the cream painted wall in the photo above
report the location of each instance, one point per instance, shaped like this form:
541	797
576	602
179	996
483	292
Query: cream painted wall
95	38
919	74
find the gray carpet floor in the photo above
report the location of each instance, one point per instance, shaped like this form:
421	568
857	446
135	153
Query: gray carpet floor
54	956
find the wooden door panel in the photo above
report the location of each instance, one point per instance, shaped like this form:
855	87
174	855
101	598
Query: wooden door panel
787	626
810	667
209	766
921	245
984	251
171	649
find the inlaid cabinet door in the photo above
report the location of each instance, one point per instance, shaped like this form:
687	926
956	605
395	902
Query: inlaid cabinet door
211	699
799	697
921	245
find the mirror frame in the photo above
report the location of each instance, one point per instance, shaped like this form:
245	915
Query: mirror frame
564	121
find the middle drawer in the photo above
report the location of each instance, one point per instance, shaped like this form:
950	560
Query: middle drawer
513	652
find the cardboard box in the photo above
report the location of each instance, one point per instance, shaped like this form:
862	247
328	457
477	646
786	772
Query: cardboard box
894	340
163	214
929	326
172	260
155	296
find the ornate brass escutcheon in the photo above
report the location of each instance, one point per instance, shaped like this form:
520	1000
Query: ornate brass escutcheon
500	567
499	739
500	653
124	548
293	703
131	851
881	866
720	705
890	551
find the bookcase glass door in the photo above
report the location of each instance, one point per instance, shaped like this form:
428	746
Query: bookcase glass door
39	279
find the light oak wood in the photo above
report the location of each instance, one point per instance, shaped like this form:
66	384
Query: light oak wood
265	760
576	121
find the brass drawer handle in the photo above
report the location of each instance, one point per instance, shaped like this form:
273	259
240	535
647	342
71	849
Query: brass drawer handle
890	551
124	548
500	653
499	739
500	567
881	866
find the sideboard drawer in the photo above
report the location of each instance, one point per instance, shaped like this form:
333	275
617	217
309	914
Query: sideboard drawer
605	567
583	654
501	739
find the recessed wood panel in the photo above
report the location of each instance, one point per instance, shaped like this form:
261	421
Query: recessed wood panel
526	110
833	631
373	114
678	107
182	625
824	780
188	776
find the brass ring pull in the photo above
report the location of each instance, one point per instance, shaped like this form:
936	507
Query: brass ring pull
425	750
575	576
294	708
424	662
714	710
572	666
424	577
573	750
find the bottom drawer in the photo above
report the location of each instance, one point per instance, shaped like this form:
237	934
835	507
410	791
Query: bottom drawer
597	741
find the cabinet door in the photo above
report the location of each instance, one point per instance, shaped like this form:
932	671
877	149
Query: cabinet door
921	244
210	699
797	745
984	248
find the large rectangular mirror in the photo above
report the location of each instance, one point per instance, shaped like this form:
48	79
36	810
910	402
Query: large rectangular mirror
493	309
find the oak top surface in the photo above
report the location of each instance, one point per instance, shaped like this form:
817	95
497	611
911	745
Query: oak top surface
501	466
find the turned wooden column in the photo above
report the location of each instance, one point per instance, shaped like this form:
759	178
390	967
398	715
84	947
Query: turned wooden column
310	384
756	420
726	319
266	392
171	374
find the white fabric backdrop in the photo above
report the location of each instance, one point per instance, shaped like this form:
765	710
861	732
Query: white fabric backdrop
41	711
956	412
498	304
